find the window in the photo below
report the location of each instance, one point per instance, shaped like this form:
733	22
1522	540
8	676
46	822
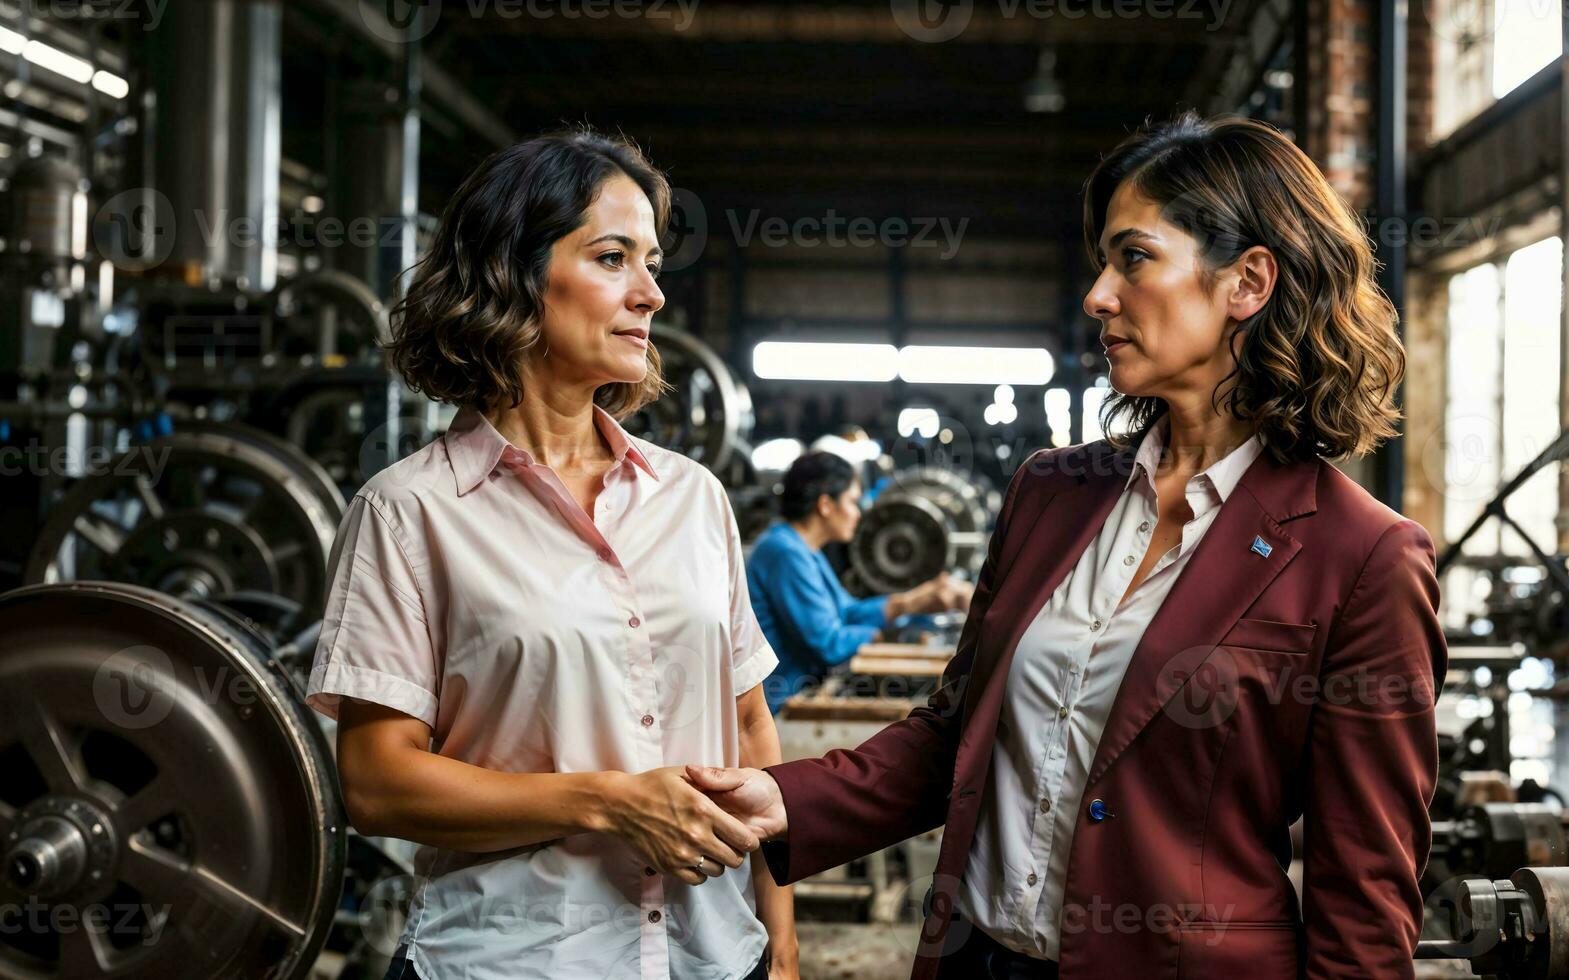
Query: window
1503	397
1485	49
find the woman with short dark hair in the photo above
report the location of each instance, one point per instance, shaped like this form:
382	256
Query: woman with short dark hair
810	619
1185	638
536	618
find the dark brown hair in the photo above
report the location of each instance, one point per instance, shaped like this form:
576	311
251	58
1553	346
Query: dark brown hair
1318	366
471	314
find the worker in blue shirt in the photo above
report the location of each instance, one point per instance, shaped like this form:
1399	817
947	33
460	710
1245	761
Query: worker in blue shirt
811	621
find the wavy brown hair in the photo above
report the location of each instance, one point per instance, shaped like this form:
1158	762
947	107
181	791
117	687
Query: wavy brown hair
1320	364
470	317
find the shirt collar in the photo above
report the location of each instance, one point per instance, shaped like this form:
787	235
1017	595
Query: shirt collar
1223	475
474	447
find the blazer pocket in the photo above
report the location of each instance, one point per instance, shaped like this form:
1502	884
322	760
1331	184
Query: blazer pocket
1266	634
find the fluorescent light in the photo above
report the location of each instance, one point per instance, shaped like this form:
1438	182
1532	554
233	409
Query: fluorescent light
776	455
799	361
58	61
1093	397
922	420
1059	416
1003	395
975	365
11	42
1000	414
111	84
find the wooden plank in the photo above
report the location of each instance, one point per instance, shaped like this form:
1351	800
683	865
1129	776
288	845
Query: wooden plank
897	666
805	708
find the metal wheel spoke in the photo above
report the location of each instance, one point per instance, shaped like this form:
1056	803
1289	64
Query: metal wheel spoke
46	744
149	497
85	952
100	532
160	876
165	877
287	551
149	803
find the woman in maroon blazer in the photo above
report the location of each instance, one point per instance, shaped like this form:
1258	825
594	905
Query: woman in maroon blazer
1182	640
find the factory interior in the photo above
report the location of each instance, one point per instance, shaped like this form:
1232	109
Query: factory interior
210	211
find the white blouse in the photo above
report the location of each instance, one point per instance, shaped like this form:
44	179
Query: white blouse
471	591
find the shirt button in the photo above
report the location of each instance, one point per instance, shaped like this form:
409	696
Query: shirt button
1062	712
1128	560
1031	879
648	720
1095	624
654	916
1144	527
634	622
1045	805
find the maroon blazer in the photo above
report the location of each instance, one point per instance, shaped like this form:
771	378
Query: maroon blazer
1297	683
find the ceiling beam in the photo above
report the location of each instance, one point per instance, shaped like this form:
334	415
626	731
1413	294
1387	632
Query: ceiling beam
440	86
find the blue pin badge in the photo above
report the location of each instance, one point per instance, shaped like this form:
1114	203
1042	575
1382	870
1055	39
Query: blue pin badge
1261	547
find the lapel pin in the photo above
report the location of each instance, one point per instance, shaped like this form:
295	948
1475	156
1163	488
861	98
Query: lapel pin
1261	547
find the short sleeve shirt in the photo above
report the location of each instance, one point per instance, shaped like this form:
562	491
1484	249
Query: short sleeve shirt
471	591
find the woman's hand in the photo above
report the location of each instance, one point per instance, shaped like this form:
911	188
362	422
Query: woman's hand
672	825
935	595
750	794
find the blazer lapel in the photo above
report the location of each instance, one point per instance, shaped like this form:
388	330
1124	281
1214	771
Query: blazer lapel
1045	553
1220	581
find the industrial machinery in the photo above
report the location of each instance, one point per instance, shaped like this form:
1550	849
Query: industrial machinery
209	511
929	520
1525	596
708	413
157	762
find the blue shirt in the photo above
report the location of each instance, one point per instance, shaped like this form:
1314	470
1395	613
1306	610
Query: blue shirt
809	618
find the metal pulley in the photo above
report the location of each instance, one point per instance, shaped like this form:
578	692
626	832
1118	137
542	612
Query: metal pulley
1514	928
326	316
211	510
169	806
708	415
929	520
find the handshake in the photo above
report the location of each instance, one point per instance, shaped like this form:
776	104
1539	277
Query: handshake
692	822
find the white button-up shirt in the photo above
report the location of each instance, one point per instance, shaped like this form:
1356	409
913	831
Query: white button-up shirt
1061	684
471	591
